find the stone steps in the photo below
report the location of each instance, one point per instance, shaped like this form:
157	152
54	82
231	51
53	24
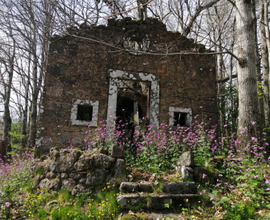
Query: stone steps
145	196
152	216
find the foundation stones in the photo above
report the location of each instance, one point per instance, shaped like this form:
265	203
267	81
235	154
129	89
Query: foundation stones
77	171
186	159
187	168
143	195
118	152
179	188
184	166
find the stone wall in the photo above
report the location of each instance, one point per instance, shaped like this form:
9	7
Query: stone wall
83	61
79	171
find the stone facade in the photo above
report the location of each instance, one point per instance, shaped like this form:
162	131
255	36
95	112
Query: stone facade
95	71
78	171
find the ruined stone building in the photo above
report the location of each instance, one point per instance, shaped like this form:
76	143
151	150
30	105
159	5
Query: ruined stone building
94	72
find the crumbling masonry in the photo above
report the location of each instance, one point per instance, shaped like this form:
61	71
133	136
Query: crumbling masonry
96	71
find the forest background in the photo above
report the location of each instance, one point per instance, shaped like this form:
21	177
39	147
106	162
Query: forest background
238	32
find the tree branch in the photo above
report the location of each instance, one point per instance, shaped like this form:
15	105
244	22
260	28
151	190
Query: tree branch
226	79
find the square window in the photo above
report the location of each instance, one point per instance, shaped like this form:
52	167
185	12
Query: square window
180	116
84	112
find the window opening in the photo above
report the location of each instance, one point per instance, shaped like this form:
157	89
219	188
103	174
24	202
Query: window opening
84	112
180	118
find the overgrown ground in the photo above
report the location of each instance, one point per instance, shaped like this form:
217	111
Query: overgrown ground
241	190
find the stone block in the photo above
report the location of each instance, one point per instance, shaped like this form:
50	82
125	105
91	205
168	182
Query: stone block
157	202
186	159
146	187
82	181
129	187
119	168
111	22
186	173
80	188
52	165
126	201
76	175
102	161
53	184
65	162
64	175
68	184
118	152
198	173
96	178
179	188
84	163
50	175
54	153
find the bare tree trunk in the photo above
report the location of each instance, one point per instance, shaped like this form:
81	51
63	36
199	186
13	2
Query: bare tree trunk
41	27
34	100
25	111
259	80
7	118
267	38
246	67
264	57
233	100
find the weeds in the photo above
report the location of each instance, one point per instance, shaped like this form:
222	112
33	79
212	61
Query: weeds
241	187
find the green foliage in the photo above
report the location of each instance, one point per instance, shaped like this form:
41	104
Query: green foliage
39	171
228	109
15	134
68	212
239	211
14	177
242	187
157	150
137	217
203	153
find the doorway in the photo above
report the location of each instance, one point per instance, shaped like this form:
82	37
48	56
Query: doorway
141	88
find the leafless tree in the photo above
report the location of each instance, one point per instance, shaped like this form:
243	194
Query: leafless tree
26	28
8	55
264	36
246	68
30	28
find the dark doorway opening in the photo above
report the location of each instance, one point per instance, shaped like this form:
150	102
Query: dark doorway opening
125	122
125	108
